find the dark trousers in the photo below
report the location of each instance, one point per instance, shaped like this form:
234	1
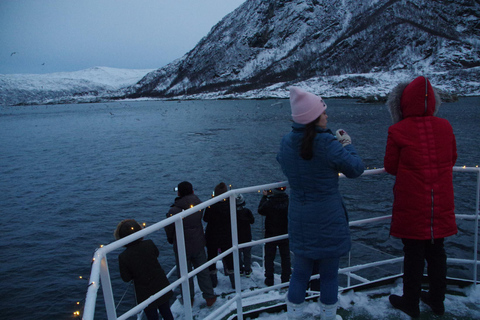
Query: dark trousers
245	256
416	252
270	253
195	260
212	252
164	309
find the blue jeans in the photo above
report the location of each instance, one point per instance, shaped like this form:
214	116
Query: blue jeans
302	271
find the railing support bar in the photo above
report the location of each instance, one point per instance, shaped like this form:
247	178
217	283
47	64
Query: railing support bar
107	290
181	257
236	258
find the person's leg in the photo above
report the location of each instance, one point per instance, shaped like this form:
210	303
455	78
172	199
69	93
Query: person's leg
328	269
241	258
212	252
302	270
203	277
190	281
437	275
165	311
413	265
284	250
247	260
270	252
151	313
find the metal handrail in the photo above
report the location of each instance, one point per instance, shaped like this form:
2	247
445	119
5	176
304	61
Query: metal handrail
100	266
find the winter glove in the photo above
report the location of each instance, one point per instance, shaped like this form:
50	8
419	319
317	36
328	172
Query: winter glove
343	137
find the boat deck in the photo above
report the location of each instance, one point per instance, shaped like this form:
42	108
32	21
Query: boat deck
362	302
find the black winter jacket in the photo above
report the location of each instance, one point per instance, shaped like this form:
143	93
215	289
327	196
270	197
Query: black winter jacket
139	262
275	210
192	225
218	232
244	219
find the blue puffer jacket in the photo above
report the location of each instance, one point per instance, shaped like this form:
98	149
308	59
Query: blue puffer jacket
317	218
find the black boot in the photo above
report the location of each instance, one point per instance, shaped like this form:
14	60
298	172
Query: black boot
269	281
404	305
437	306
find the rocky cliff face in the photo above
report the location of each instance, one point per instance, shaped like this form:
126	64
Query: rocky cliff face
336	47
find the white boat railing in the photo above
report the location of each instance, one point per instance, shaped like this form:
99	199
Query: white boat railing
100	270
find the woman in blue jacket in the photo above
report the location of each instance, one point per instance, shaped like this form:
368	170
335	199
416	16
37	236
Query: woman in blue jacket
311	157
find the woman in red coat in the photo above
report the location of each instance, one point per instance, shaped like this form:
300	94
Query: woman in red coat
420	152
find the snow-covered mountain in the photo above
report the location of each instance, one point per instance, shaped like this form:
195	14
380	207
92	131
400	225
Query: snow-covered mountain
334	47
65	87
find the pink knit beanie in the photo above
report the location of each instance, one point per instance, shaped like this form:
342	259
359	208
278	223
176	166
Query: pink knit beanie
306	107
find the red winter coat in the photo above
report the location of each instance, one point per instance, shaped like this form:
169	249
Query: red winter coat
421	151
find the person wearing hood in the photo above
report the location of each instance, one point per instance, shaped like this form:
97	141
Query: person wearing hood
139	262
194	240
420	153
312	157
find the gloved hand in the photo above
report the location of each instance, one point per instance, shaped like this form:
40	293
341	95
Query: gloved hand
343	137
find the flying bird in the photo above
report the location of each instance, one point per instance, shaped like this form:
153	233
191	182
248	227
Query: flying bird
13	53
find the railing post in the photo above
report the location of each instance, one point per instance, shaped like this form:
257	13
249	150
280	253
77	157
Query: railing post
107	290
236	259
183	268
477	213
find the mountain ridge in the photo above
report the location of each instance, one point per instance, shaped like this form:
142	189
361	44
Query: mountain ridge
283	43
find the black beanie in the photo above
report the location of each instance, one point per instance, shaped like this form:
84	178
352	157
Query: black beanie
185	188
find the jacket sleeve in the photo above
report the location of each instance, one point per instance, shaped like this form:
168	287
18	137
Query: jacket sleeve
125	273
392	155
261	207
170	229
344	159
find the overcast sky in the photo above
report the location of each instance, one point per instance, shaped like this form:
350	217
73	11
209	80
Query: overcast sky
43	36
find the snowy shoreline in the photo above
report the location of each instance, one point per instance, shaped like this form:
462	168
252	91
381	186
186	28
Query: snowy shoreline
102	84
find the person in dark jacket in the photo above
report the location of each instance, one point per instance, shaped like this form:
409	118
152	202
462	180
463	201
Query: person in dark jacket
194	240
139	262
421	151
312	157
218	233
274	206
245	219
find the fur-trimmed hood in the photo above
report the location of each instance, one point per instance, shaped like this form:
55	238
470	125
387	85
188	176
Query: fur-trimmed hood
415	99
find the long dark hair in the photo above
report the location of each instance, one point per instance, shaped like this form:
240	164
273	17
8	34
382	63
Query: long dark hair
306	151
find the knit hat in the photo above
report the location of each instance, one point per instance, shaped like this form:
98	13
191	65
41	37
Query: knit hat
185	188
306	107
240	200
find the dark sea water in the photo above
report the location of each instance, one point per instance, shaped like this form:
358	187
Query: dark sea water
70	173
